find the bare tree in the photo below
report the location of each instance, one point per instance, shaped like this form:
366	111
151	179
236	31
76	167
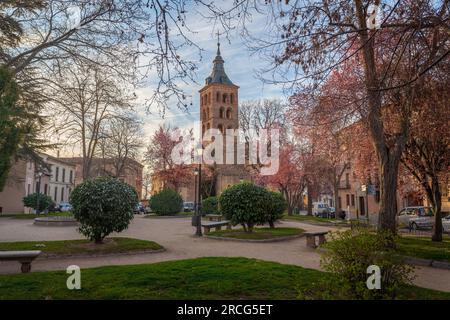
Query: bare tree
120	142
87	100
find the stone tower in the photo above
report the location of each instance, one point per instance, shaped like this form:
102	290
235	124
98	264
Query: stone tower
219	110
219	99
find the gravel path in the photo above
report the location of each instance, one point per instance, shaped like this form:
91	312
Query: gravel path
176	235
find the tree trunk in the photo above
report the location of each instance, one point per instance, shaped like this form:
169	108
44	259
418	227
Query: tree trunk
310	205
437	207
337	207
387	219
271	224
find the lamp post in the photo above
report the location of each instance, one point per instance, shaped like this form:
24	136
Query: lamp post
198	196
38	211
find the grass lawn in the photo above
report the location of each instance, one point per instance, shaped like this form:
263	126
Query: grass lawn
32	215
424	248
298	217
258	233
203	278
66	247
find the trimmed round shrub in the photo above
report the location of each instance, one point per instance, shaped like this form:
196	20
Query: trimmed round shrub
166	202
31	201
210	206
275	207
103	205
244	204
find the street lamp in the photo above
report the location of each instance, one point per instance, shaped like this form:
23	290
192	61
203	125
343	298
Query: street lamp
38	211
198	194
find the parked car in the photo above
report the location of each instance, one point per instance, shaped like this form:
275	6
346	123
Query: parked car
54	208
139	208
65	206
418	217
188	206
321	209
446	224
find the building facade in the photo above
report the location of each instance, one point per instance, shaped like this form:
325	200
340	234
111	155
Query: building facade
26	178
131	172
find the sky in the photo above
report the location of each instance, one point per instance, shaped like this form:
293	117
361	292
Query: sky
240	66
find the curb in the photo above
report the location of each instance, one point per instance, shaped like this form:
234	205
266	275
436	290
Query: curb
83	255
287	238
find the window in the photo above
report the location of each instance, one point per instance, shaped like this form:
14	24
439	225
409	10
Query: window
224	98
229	113
340	202
353	200
45	189
347	179
63	175
347	198
217	96
37	187
231	98
204	114
221	113
56	194
62	194
71	176
57	174
28	189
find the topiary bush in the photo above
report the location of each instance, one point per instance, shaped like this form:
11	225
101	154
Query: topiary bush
350	253
275	207
166	202
31	201
245	204
210	205
103	205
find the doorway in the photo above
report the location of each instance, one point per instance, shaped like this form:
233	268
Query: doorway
362	206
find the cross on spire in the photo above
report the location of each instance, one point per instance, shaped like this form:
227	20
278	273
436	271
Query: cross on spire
218	43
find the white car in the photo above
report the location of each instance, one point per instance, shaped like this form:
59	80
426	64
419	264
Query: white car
446	224
414	218
65	206
321	209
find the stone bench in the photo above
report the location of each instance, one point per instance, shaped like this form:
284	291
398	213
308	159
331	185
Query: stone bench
214	217
311	238
216	225
24	257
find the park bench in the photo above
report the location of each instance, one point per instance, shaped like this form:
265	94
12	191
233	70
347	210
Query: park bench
311	238
216	225
24	257
214	217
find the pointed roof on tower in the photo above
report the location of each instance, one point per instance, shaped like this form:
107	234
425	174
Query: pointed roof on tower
218	74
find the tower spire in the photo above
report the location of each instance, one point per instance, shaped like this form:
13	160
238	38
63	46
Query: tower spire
218	43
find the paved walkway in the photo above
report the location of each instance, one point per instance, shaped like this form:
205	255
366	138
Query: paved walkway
176	235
